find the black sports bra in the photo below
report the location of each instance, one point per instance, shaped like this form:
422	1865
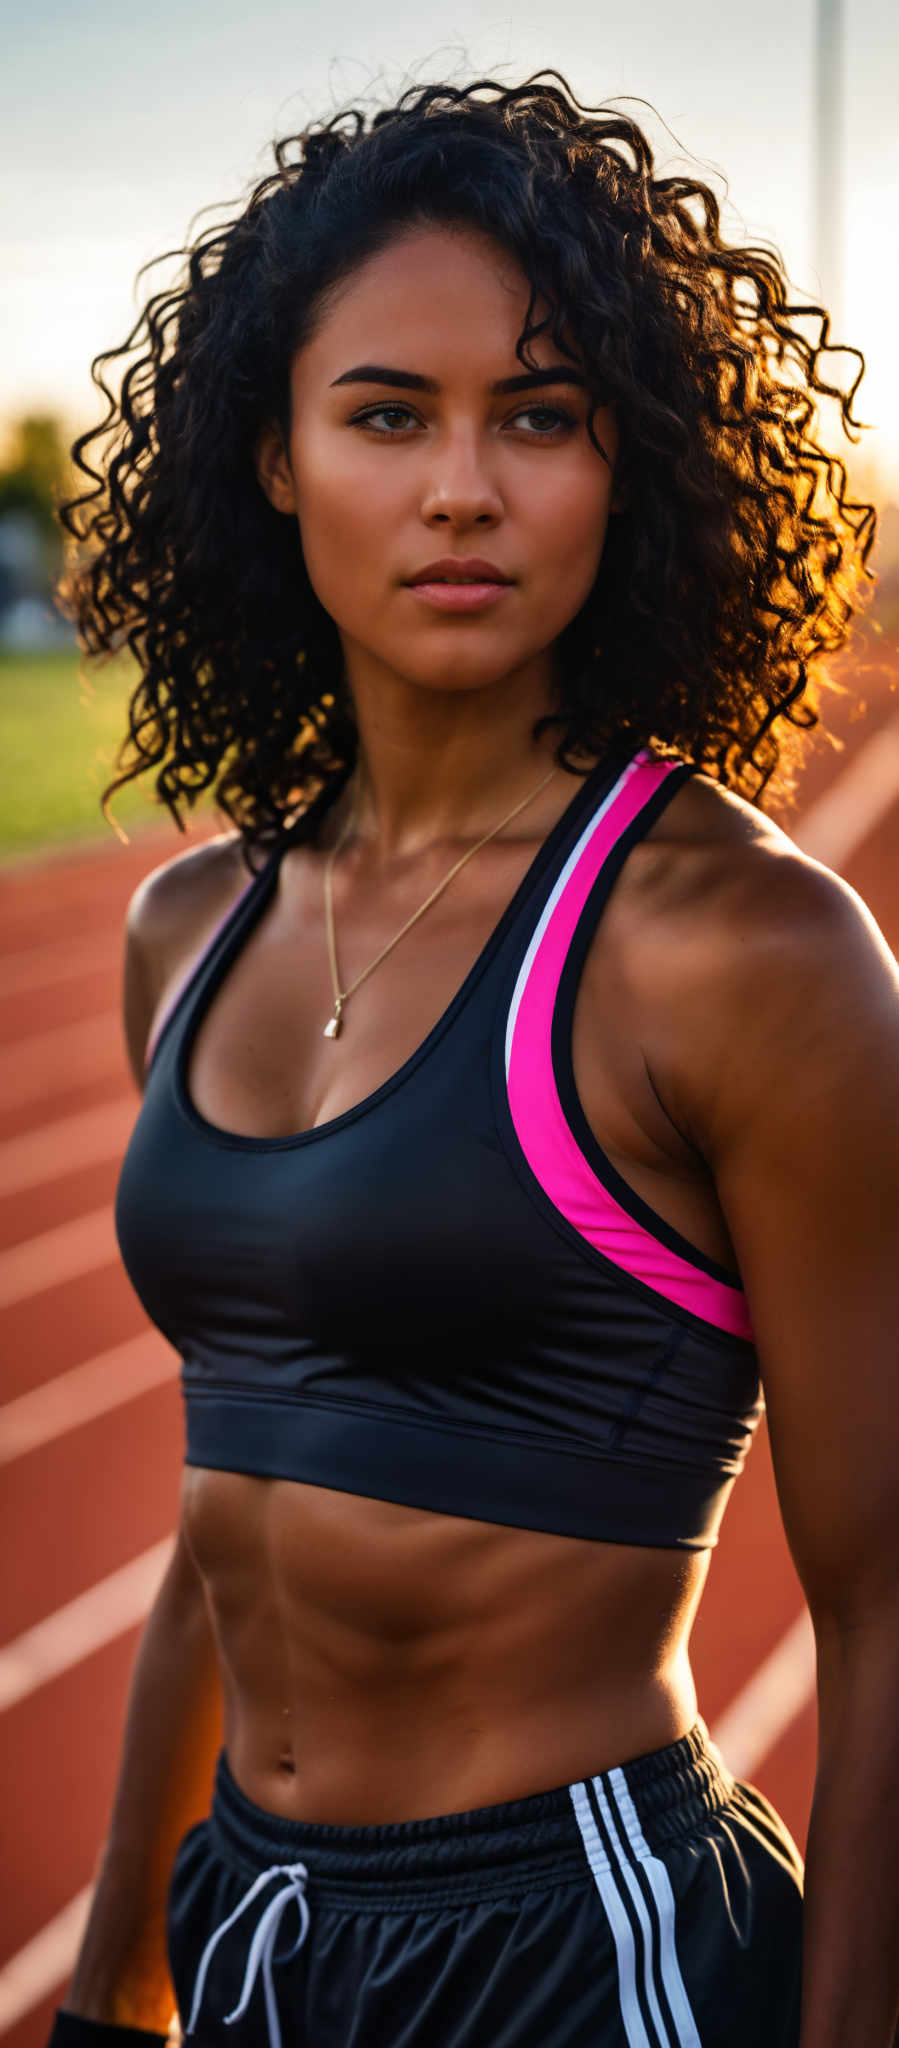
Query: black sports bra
447	1296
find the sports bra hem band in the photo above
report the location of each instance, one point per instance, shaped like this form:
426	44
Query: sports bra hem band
604	1499
236	1392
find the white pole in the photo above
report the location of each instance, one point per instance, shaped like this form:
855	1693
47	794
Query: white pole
828	160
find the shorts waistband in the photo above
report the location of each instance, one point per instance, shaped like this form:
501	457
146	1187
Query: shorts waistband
491	1850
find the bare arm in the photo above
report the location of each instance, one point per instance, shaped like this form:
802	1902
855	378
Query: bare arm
786	1076
173	1733
173	1728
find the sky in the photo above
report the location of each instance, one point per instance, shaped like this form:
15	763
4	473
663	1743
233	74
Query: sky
118	125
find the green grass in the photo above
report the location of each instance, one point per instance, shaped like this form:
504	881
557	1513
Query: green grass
58	740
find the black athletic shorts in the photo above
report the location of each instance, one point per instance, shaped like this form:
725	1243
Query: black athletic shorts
657	1905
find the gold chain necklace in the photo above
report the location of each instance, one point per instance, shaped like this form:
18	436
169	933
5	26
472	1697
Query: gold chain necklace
341	995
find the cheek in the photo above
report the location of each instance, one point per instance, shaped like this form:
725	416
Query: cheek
345	531
573	520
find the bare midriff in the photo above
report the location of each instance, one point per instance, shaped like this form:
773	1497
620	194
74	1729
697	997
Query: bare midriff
385	1663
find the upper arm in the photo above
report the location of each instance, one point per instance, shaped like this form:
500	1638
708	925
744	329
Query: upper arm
138	999
793	1082
169	918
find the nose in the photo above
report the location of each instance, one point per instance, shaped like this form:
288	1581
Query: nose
460	490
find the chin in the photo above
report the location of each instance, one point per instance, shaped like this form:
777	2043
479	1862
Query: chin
461	664
452	682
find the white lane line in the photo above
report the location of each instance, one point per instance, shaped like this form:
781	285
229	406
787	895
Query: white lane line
45	1961
749	1728
64	1057
855	802
69	1143
84	1392
83	1625
58	960
66	1253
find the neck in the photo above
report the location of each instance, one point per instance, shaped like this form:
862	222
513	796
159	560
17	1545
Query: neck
442	764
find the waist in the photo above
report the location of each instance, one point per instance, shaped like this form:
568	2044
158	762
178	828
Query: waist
372	1653
650	1800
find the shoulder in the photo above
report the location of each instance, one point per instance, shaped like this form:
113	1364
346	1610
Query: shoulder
191	884
746	957
170	916
723	891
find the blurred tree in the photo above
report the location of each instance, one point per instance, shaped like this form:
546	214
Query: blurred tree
34	477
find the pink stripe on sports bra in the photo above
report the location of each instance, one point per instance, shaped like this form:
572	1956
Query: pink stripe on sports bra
543	1132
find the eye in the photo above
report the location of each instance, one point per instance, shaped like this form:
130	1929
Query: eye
366	419
558	420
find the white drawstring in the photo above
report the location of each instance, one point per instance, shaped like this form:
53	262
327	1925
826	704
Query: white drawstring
261	1946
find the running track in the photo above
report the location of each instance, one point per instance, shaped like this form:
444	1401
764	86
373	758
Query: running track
90	1425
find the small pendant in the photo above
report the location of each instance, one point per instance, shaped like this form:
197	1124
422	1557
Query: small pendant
332	1028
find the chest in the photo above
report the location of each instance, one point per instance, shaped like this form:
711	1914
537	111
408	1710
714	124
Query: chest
259	1062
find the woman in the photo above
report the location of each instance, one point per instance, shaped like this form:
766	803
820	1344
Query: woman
530	1096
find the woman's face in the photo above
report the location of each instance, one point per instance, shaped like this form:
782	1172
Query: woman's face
388	473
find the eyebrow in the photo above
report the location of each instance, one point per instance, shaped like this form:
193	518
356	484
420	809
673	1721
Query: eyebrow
409	380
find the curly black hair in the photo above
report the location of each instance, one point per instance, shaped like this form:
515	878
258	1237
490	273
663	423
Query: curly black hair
733	570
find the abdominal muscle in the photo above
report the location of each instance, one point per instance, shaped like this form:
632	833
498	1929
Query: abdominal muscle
384	1663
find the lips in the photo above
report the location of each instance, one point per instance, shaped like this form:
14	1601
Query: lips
460	569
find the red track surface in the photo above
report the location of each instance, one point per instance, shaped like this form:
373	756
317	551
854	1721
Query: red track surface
79	1506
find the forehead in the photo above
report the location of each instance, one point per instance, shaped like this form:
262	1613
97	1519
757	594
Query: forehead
435	297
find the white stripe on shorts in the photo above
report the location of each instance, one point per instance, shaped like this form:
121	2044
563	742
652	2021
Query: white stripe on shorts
657	1952
660	1885
607	1887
